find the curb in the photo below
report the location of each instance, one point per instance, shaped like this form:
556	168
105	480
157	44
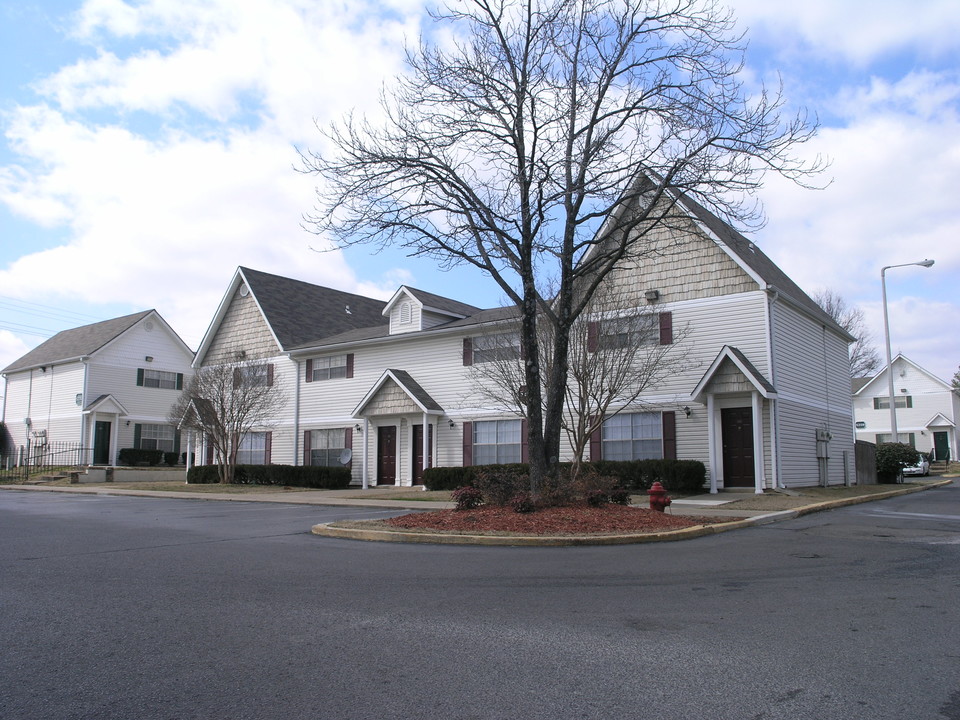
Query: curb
400	536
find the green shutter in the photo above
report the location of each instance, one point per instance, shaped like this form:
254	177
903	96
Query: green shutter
176	443
136	434
139	377
179	381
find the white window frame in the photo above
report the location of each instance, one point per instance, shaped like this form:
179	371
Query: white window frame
496	347
252	449
330	367
497	442
159	379
326	446
633	331
632	436
157	437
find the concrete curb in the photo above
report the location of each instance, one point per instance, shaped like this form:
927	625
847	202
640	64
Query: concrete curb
373	535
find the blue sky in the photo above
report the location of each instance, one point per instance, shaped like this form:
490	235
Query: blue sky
146	150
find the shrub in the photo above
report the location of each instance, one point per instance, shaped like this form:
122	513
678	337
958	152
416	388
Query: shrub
170	458
135	456
619	496
310	476
467	498
499	484
522	503
892	458
447	478
596	498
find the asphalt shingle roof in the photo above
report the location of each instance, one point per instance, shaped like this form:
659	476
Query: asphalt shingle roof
77	342
301	313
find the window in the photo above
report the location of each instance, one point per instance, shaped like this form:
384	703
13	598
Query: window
159	379
326	446
328	368
497	441
901	401
157	437
405	314
254	376
253	449
906	438
633	331
635	436
492	348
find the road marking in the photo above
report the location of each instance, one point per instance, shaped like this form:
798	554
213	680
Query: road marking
892	513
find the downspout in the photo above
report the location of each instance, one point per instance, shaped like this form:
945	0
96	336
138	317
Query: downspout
83	419
296	418
774	403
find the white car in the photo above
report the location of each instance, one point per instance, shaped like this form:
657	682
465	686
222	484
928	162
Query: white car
921	468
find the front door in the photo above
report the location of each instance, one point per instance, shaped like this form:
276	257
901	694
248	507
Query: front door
418	452
101	443
736	426
387	455
941	445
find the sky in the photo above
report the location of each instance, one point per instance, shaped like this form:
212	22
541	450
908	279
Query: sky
149	148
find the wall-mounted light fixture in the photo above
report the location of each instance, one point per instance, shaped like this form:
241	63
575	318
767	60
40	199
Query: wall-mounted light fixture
686	410
149	358
652	295
358	428
128	423
78	399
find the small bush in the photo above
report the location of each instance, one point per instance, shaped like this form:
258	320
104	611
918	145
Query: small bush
596	498
892	458
499	484
310	476
134	456
619	496
467	498
447	478
522	503
170	458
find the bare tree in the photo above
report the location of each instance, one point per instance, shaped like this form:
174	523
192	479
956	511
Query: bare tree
553	138
222	403
955	382
616	353
864	357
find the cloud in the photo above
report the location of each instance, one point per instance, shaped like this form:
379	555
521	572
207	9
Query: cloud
849	31
11	348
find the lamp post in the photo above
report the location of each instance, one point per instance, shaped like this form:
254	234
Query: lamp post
894	434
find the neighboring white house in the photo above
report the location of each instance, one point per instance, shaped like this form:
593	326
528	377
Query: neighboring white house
928	409
764	401
100	387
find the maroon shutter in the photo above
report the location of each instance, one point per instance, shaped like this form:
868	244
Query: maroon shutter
524	444
306	447
468	351
593	335
270	375
596	443
348	441
236	377
209	460
666	328
669	419
268	450
467	444
309	375
349	365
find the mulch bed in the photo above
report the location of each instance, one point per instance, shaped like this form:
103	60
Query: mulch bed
567	520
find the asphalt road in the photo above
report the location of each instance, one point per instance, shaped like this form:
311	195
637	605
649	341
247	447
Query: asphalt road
144	608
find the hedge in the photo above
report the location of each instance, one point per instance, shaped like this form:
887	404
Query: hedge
134	456
310	476
687	477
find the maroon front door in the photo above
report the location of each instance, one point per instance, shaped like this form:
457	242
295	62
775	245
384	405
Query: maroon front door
418	452
736	426
387	455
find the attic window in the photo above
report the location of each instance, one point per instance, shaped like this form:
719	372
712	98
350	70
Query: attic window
244	290
405	313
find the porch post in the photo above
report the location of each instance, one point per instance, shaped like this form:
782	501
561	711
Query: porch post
712	444
758	464
366	451
426	444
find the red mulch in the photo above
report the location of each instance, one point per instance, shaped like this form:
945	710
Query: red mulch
567	520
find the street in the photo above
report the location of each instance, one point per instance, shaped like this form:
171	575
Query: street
124	607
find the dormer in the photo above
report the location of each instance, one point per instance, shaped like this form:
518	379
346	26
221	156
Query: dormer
411	310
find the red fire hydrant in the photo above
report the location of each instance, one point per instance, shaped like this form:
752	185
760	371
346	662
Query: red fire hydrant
658	497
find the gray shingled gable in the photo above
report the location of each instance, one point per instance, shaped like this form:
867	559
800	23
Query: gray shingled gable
77	342
414	389
300	313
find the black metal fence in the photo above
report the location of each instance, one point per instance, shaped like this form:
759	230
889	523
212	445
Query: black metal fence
48	459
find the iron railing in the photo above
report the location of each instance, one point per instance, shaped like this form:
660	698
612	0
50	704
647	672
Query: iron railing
47	459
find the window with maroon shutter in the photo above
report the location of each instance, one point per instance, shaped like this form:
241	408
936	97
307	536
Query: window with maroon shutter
524	443
593	336
596	453
632	436
331	367
268	448
307	435
326	446
270	375
309	373
349	365
467	444
468	351
669	418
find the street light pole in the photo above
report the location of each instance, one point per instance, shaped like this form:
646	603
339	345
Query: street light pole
894	434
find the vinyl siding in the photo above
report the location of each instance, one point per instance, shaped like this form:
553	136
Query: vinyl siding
813	382
48	399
